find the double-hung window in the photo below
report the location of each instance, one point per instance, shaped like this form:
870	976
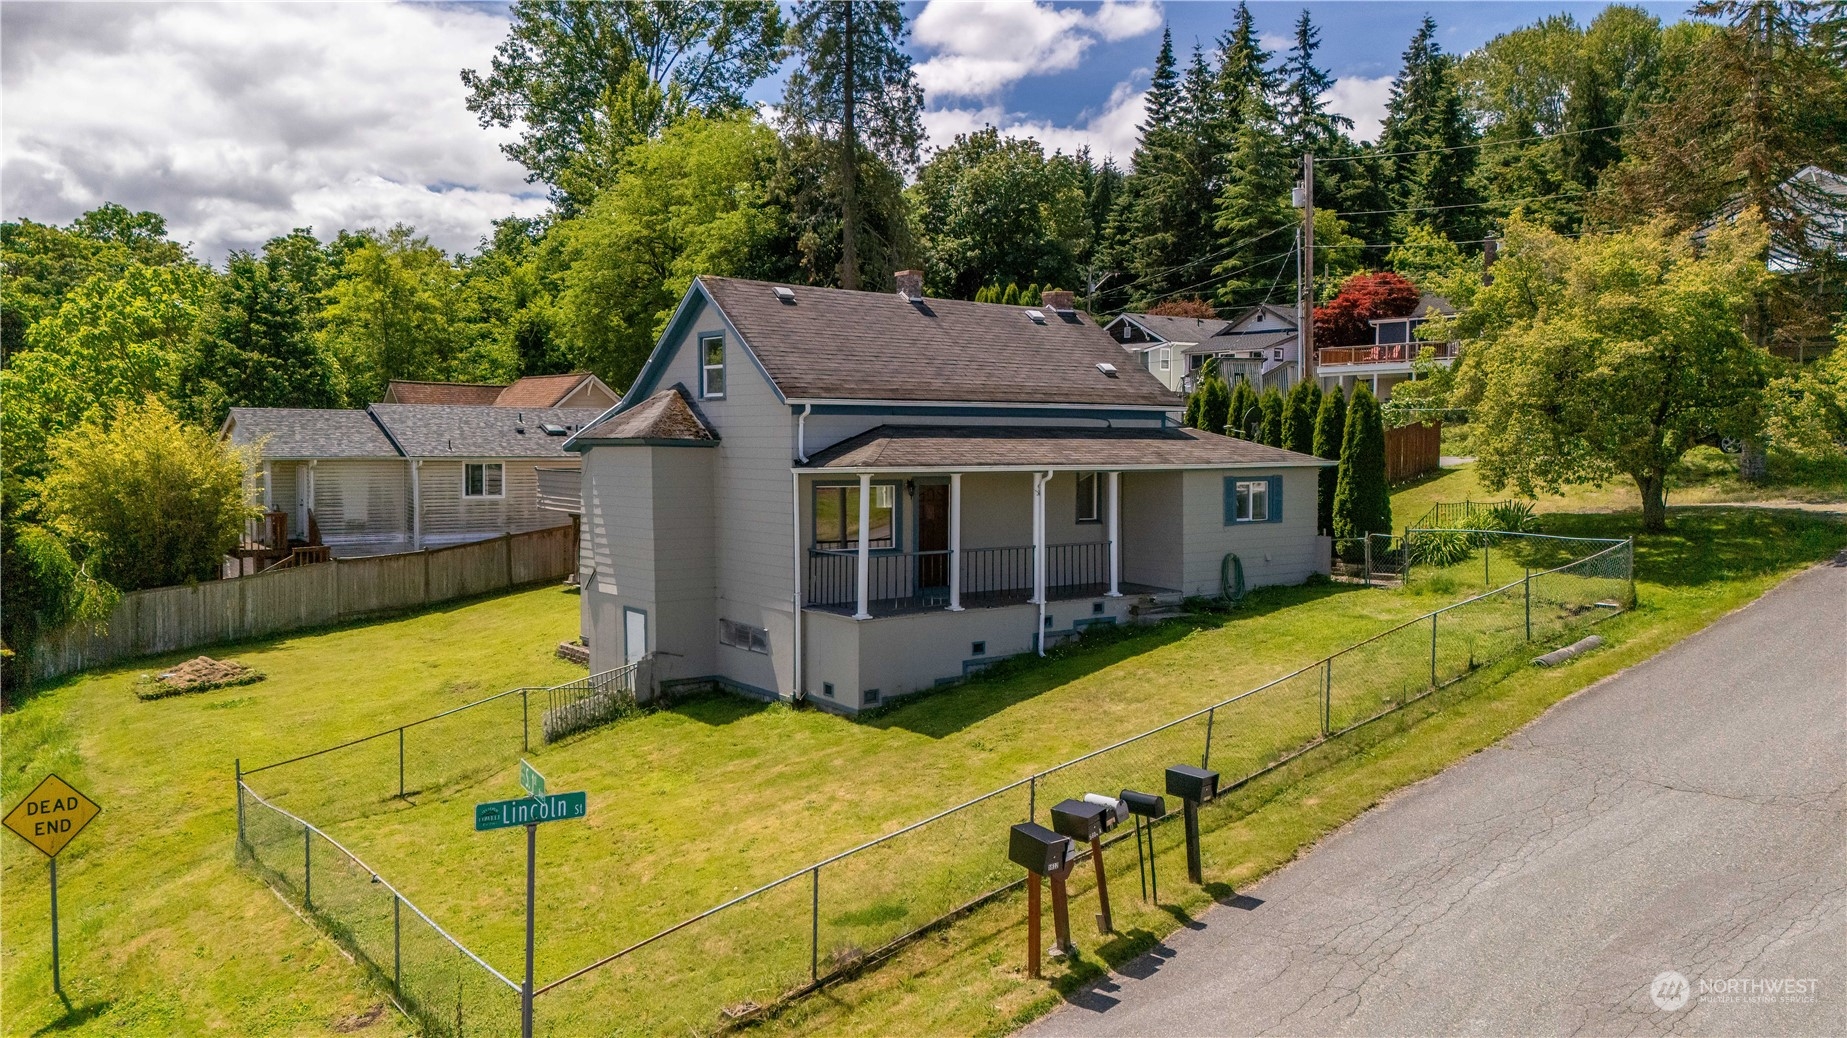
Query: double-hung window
712	365
1253	500
483	479
836	517
1088	510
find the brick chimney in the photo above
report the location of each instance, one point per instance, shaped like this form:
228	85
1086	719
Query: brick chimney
910	283
1057	299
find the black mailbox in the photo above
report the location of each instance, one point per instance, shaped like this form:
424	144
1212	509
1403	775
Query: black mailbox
1037	849
1081	820
1193	785
1147	805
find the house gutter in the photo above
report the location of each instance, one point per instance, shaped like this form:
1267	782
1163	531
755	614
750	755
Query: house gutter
795	573
801	433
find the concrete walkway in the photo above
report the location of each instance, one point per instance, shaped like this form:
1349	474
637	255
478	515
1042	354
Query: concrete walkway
1688	815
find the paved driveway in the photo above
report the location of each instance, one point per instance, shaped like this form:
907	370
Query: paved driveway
1689	814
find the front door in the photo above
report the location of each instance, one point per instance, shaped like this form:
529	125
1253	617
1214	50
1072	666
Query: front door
933	535
634	635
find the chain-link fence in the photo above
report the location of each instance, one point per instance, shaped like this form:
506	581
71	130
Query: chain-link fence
791	935
1374	559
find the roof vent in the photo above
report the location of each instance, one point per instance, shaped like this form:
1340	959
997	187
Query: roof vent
1107	368
1036	316
786	294
553	430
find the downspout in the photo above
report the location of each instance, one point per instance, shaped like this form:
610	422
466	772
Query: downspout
801	435
795	572
1039	575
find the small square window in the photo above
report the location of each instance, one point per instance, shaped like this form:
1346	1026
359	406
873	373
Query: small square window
978	649
1096	608
827	689
483	479
869	696
1048	622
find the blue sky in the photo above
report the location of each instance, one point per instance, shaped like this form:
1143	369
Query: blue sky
239	122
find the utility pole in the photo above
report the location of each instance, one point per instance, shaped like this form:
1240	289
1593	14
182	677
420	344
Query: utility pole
849	261
1305	305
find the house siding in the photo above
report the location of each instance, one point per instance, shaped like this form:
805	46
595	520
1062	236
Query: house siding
1153	528
451	518
1280	552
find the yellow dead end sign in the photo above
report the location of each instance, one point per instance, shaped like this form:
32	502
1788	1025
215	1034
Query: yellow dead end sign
48	818
51	814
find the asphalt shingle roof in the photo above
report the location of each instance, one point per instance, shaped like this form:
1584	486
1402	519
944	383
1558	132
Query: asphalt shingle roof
1180	329
299	433
467	431
540	390
406	392
1243	342
835	344
927	447
667	415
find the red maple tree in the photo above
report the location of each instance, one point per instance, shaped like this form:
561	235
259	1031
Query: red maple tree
1363	298
1184	308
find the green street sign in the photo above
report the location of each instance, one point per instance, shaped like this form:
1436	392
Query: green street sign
502	814
530	780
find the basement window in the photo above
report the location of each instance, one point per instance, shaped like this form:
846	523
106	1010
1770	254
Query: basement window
743	636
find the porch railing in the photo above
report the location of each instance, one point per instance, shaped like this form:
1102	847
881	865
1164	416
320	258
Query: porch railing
1394	353
920	579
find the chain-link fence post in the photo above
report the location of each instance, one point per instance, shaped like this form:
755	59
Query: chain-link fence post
1528	586
814	925
307	867
525	721
1327	695
1433	650
400	763
1032	798
1629	554
1205	759
238	764
1367	542
397	945
1486	580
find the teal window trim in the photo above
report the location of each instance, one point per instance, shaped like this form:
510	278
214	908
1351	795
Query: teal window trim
705	368
897	515
1272	495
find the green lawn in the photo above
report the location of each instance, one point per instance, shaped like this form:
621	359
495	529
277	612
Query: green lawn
165	934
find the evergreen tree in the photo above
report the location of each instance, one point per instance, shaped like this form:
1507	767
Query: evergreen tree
1362	498
1195	402
1243	74
1299	418
1254	218
1270	406
1031	297
1215	410
253	346
1243	414
1307	124
1425	141
1330	435
853	88
1168	220
1011	297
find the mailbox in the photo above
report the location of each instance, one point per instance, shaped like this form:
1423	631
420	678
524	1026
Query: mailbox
1082	820
1115	812
1038	850
1144	805
1192	785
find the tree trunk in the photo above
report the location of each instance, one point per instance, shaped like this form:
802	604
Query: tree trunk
1653	487
849	165
1753	466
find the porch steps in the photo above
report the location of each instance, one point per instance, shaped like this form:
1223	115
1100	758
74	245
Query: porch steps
1157	607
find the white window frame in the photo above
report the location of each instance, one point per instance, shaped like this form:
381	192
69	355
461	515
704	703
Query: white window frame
706	367
1167	361
1249	493
744	636
497	466
1095	498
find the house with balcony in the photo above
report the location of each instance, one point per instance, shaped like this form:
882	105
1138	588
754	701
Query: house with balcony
1389	358
843	497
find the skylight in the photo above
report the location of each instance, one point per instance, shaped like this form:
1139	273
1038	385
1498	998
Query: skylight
1036	316
1107	368
787	295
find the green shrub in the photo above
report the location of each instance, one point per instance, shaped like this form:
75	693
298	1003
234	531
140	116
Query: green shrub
1508	517
1362	500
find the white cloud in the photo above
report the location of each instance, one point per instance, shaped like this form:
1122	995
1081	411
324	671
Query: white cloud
1275	43
239	122
980	48
1363	100
1106	131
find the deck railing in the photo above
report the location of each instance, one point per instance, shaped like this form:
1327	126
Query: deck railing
1395	353
907	580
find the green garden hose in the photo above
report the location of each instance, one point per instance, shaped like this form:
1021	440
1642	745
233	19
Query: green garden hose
1231	579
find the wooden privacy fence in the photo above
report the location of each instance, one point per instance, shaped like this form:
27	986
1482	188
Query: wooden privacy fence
1412	450
172	618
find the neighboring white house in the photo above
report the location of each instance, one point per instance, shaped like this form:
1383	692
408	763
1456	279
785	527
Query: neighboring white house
1389	359
1259	346
849	496
401	477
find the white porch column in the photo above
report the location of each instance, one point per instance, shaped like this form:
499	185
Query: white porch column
416	504
955	542
269	485
1115	535
1039	479
865	544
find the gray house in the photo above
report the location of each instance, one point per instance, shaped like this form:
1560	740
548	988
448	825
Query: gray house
1259	346
848	496
401	477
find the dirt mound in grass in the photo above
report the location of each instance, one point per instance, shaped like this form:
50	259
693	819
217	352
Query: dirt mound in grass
198	674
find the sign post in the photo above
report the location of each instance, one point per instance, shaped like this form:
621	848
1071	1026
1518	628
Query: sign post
48	818
536	807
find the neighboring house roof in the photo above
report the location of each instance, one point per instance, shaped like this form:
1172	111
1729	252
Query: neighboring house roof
1287	314
1243	342
402	391
531	391
468	431
1178	329
917	447
832	344
300	433
667	415
542	390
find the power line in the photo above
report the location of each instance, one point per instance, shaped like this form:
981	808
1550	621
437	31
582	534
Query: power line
1477	144
1224	277
1441	244
1455	205
1209	257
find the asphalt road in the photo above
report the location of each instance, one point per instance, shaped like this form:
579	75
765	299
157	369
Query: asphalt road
1689	814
